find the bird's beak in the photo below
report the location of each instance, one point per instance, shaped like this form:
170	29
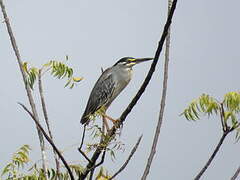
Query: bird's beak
139	60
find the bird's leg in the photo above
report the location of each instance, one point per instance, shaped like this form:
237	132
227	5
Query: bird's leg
114	121
105	123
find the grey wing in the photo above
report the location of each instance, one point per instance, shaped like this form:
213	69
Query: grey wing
101	93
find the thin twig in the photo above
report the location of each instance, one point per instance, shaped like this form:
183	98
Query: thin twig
222	115
225	130
50	141
83	135
44	108
236	174
128	159
91	174
84	155
112	131
101	162
153	65
162	105
212	156
27	88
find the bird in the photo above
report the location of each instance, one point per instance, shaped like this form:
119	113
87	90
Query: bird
108	86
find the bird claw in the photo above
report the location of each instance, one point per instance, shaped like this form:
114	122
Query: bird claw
116	123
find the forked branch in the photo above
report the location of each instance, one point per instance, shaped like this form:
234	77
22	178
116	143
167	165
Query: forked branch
50	141
128	159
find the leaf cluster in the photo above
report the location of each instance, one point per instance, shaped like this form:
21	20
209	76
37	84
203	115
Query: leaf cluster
205	104
103	174
14	170
18	161
109	144
228	109
38	173
57	69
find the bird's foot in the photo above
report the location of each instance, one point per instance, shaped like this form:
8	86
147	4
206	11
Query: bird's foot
116	122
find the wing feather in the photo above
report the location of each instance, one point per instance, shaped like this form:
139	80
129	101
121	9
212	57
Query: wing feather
101	93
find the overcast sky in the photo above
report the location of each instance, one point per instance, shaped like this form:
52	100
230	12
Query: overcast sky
94	34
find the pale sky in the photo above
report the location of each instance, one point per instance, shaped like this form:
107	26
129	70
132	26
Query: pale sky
204	59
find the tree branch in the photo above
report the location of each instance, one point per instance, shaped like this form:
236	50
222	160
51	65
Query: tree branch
128	159
212	156
112	131
153	65
162	104
222	115
101	162
236	174
44	108
50	141
27	88
83	135
84	155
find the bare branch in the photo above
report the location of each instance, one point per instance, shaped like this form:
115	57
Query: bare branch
50	141
153	65
162	106
101	162
91	174
212	156
44	108
83	135
128	159
112	131
236	174
27	88
222	115
84	155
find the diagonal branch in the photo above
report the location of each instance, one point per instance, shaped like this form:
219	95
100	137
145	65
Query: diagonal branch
50	141
111	132
44	108
27	88
153	65
236	174
128	159
84	155
224	135
162	105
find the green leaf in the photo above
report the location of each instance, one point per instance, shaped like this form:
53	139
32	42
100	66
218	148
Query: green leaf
204	104
232	101
77	79
7	169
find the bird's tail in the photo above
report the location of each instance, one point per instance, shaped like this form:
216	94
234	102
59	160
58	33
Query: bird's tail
84	119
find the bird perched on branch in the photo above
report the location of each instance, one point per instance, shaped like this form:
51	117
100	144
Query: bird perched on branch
109	85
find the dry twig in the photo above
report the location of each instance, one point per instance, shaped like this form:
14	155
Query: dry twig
162	105
44	108
236	174
50	141
128	159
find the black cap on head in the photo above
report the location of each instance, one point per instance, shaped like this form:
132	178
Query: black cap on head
124	59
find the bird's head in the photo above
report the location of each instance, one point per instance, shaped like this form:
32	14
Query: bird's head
130	61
